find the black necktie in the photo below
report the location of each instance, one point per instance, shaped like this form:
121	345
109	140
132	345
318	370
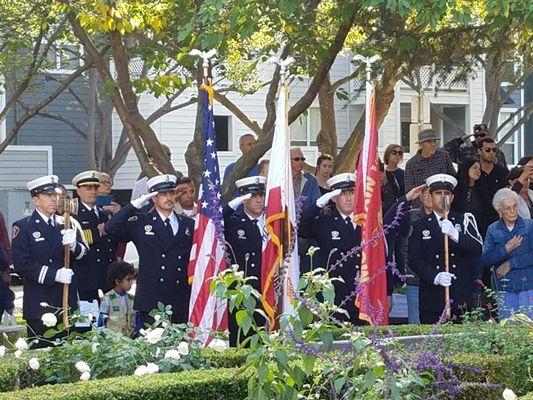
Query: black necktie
51	222
168	227
348	220
95	212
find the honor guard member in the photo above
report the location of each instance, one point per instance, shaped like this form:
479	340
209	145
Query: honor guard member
91	272
427	258
244	230
336	234
163	240
39	243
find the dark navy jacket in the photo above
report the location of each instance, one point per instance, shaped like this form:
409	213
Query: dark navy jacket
91	271
335	237
38	253
163	260
426	259
246	243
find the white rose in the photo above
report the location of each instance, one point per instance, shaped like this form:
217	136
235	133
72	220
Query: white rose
175	354
82	367
508	394
183	348
34	363
85	376
218	345
154	336
18	353
49	319
140	370
152	368
21	344
157	318
2	351
94	347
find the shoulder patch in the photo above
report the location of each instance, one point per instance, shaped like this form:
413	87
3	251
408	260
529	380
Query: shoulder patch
112	296
15	232
133	218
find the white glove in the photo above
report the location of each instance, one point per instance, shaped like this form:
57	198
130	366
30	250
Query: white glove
64	275
444	279
448	229
323	200
237	201
69	237
143	200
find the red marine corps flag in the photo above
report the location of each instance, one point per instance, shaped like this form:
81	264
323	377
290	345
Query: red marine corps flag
372	294
280	218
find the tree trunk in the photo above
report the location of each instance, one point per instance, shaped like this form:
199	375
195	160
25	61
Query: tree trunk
91	119
327	137
195	150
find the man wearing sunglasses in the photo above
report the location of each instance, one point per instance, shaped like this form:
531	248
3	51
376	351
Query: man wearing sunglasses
463	147
304	183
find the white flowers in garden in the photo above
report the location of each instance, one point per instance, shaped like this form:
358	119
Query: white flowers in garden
173	354
154	335
147	369
34	363
18	353
21	344
183	348
82	367
2	351
49	319
85	376
508	394
218	345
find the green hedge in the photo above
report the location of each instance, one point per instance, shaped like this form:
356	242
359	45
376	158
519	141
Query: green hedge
216	384
528	396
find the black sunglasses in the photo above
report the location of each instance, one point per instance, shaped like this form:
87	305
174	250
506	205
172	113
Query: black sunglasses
298	159
396	152
482	134
489	149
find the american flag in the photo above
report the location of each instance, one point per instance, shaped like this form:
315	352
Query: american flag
207	254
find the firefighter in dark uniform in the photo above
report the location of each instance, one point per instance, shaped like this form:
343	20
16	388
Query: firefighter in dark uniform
38	243
336	234
427	259
91	272
163	240
244	230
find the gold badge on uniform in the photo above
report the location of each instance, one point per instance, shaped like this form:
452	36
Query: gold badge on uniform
36	234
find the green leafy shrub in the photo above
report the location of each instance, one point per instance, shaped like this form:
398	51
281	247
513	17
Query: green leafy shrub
218	384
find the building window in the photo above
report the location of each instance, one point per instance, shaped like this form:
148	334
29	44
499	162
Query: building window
511	146
64	57
305	129
405	124
223	129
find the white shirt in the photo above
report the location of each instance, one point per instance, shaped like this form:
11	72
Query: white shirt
45	218
173	221
260	224
351	219
92	209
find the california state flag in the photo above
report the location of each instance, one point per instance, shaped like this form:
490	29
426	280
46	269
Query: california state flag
372	295
280	218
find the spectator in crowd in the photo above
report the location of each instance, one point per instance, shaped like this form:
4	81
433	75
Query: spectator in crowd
427	254
5	244
462	148
509	250
525	160
428	161
6	295
390	189
246	143
393	157
305	184
493	177
519	181
263	167
116	310
140	187
186	197
106	184
323	171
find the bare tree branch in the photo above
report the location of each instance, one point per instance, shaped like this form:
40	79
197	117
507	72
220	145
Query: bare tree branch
252	125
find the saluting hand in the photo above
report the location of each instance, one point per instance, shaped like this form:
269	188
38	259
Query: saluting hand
414	193
323	200
143	200
237	201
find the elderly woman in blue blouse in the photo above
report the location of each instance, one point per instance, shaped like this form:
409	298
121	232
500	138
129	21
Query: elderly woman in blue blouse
509	249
